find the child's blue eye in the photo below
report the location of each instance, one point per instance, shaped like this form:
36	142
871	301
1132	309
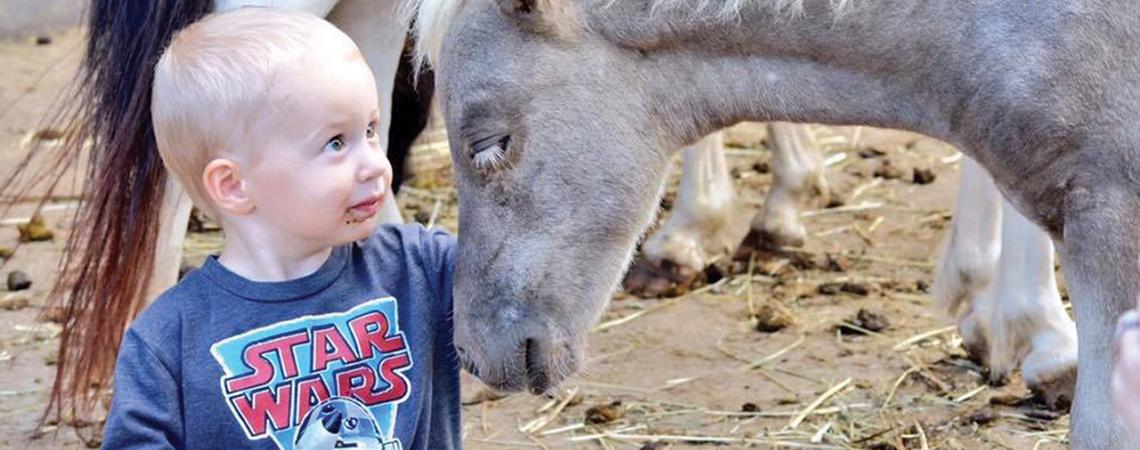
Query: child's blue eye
335	144
370	132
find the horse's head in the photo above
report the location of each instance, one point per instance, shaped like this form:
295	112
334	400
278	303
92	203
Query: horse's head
558	168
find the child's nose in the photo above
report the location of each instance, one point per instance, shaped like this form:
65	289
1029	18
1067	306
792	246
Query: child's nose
374	165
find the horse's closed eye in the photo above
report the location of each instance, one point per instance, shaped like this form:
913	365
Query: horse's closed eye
489	152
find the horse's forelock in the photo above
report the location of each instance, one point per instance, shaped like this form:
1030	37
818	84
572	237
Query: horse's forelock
430	21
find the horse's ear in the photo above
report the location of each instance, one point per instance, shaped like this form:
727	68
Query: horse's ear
538	15
521	9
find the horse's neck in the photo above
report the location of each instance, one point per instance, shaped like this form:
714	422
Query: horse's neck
891	63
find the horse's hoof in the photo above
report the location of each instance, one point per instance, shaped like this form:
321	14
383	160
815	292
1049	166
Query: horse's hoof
1051	377
771	240
651	279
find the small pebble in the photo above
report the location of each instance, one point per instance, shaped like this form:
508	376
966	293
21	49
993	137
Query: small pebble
983	416
851	288
14	302
599	414
771	320
866	320
18	281
35	230
6	252
923	176
762	167
749	407
43	40
871	321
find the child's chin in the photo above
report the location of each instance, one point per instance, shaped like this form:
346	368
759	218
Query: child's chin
362	230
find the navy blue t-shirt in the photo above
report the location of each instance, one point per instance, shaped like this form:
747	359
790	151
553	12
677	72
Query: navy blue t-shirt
358	354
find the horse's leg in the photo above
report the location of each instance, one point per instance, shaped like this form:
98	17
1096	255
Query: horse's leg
705	224
1100	255
379	30
1027	323
797	177
971	256
175	214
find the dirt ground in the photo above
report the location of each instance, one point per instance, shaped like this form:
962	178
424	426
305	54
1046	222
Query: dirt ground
684	372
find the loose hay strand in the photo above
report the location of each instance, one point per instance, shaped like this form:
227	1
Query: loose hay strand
799	418
907	343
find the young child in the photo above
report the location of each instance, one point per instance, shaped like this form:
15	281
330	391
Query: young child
298	335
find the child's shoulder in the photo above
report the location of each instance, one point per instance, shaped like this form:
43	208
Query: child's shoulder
164	316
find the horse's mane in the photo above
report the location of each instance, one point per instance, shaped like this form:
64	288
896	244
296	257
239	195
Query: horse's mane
433	18
430	21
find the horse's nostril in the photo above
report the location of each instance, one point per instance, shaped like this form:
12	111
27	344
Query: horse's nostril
536	371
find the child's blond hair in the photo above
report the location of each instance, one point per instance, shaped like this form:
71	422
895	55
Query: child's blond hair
214	78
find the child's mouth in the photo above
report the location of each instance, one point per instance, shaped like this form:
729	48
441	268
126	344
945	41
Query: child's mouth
364	210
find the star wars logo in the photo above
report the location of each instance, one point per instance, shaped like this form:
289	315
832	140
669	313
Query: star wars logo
280	377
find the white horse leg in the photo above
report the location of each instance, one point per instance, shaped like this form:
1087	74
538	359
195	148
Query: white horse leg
380	31
174	215
1026	322
704	224
797	177
971	254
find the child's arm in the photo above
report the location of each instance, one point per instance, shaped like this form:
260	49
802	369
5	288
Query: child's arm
442	251
146	408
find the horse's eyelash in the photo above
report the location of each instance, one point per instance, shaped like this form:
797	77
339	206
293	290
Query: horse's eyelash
489	158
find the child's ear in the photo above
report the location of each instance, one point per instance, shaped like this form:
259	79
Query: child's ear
222	179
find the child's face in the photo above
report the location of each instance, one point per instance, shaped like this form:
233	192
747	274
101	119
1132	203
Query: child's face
319	175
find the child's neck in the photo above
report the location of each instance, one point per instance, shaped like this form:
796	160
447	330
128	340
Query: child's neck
262	257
